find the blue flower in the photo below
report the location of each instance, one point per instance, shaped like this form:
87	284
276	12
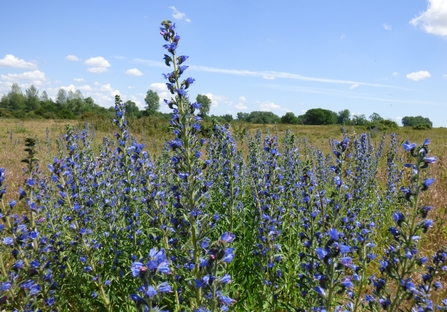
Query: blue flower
398	217
346	261
181	59
18	265
137	299
136	268
150	292
228	255
8	241
320	291
181	69
321	253
226	300
333	234
225	279
170	47
347	284
429	160
426	224
409	146
227	237
164	287
6	286
427	183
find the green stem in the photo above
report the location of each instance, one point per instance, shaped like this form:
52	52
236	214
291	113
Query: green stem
331	287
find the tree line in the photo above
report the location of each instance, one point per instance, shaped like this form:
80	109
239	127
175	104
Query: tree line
73	105
32	104
320	116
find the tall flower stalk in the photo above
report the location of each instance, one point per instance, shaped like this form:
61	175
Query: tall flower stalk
401	260
198	251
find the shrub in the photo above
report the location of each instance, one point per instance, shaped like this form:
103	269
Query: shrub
422	127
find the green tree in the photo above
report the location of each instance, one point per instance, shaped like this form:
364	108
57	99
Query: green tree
375	118
359	120
301	120
387	124
32	98
152	103
409	121
206	104
77	106
44	97
241	116
4	103
319	116
344	117
289	118
261	117
227	117
17	101
62	97
132	110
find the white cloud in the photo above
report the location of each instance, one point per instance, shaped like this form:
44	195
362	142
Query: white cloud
284	75
268	77
108	88
12	61
85	88
97	64
214	99
134	72
97	70
445	76
161	90
134	99
241	106
78	79
395	74
71	57
5	87
422	74
36	77
103	94
69	88
387	26
150	62
434	20
355	85
179	15
269	106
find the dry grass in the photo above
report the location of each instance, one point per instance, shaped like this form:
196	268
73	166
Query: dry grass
13	133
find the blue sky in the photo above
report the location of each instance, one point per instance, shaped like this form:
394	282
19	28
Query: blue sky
382	56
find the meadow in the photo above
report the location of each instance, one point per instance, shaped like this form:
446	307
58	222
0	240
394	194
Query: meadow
127	216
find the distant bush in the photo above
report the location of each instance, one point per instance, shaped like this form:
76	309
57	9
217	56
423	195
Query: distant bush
415	121
422	127
387	125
